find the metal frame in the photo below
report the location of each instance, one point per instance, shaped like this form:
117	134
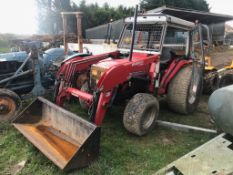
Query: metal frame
213	157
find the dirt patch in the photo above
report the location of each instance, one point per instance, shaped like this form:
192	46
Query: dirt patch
167	140
221	57
17	168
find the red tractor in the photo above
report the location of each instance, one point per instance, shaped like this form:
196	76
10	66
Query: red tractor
158	55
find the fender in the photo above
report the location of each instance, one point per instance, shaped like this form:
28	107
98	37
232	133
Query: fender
174	67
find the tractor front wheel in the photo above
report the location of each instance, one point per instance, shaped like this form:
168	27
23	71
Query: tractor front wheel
10	105
141	113
184	91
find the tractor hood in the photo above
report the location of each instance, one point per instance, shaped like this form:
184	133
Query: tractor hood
13	56
109	62
138	60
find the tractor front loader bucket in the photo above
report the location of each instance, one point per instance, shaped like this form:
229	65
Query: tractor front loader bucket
66	139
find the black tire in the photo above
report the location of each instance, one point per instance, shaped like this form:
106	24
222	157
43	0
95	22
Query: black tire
210	83
10	105
226	80
140	114
179	98
86	88
56	90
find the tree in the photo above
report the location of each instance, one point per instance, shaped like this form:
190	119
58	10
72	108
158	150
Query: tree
201	5
50	20
49	15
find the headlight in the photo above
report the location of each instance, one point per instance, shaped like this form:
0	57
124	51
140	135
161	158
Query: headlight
96	73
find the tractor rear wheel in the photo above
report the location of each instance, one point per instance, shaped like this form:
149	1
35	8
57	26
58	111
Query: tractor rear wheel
183	94
10	105
141	113
85	88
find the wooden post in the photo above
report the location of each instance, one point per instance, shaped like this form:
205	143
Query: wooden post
79	31
64	17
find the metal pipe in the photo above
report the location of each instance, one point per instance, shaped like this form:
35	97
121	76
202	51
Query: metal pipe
133	34
21	87
20	68
22	65
16	76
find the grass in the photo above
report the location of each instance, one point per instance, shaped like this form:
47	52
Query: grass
4	46
120	152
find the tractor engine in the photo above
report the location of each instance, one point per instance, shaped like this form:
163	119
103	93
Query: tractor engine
98	69
96	72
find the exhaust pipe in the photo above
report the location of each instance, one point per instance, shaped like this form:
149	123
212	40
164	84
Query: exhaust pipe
133	33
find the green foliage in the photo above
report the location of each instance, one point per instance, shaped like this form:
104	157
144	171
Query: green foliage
5	42
49	15
50	20
201	5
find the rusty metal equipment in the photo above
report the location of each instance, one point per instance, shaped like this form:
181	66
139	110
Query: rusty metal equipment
216	78
66	139
24	73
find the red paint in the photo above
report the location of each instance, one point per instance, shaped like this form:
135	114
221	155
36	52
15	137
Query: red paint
80	94
174	67
104	100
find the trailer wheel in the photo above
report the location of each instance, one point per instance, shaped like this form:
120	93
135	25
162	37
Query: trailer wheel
210	83
10	105
141	113
180	97
86	88
226	80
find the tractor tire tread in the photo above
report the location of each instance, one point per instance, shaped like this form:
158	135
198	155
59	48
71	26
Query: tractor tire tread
133	113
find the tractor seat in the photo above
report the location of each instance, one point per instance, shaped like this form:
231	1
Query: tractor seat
166	55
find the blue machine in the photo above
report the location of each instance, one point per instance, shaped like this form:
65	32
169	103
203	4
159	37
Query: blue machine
22	72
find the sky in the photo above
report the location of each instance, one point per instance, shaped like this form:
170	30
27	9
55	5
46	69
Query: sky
19	16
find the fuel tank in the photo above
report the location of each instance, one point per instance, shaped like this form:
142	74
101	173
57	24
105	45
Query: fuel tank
221	108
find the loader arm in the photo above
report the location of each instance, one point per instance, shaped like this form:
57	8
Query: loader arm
69	69
78	64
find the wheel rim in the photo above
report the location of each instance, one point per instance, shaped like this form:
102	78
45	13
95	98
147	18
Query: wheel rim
194	86
149	117
7	107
